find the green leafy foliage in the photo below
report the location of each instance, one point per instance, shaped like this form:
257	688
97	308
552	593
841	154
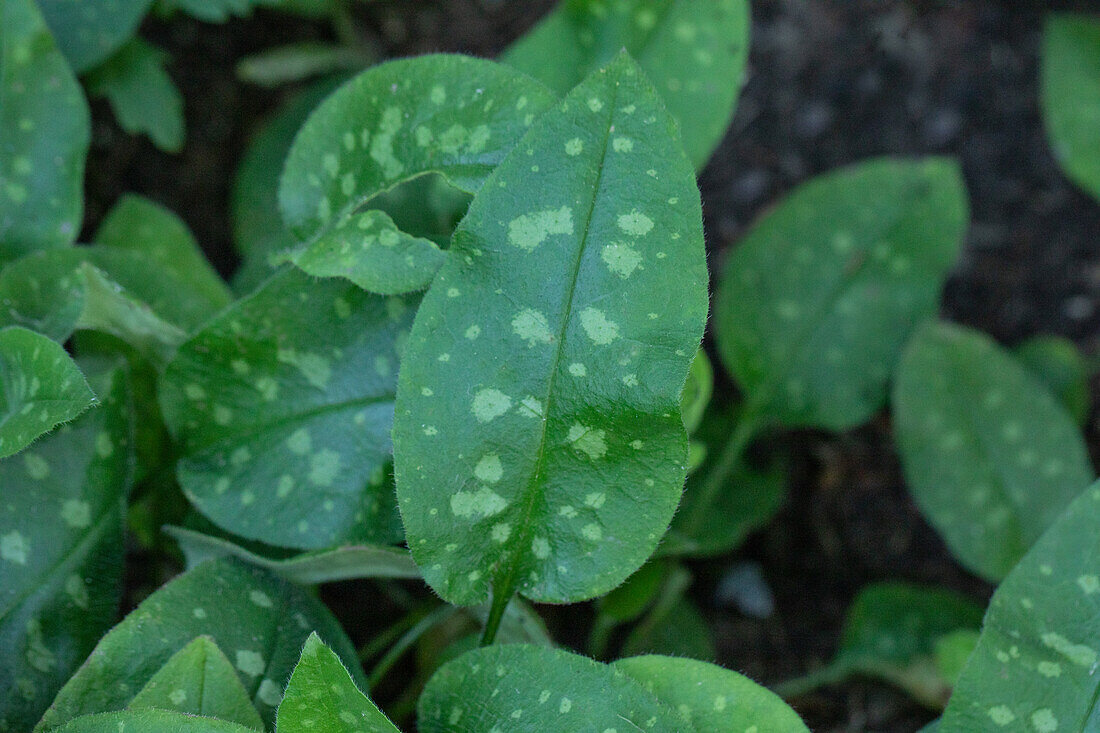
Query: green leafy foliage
299	61
44	136
697	391
89	32
321	695
199	680
259	621
1071	95
311	568
674	627
453	115
149	721
893	632
61	521
40	387
141	94
815	305
1059	364
285	401
694	51
1034	668
219	11
539	397
710	698
990	455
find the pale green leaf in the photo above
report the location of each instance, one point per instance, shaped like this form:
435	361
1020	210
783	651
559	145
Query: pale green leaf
697	391
299	61
1070	95
539	398
89	31
991	457
1061	366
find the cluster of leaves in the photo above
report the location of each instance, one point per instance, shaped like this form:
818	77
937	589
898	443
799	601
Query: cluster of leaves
456	351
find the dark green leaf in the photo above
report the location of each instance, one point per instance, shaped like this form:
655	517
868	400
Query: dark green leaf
1034	668
453	115
676	628
89	31
815	305
219	11
712	699
1071	95
40	386
149	721
44	135
539	399
990	455
694	51
199	680
322	696
1058	364
259	621
61	550
534	689
283	406
141	94
311	568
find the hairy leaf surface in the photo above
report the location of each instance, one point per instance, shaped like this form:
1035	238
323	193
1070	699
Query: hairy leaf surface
283	406
1034	668
539	399
259	621
1071	95
150	721
40	386
990	455
694	51
89	32
816	303
322	696
44	136
61	551
199	680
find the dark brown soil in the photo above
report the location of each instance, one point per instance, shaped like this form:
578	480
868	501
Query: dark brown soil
831	82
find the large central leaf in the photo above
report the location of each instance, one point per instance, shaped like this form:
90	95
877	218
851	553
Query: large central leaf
538	438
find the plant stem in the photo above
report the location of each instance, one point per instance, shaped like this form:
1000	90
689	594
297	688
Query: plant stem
830	674
402	645
717	476
496	614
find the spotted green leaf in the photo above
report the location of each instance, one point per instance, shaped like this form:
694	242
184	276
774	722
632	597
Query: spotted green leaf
711	698
453	115
150	721
536	689
1034	668
322	696
369	250
199	680
539	398
891	633
40	386
61	549
259	621
1059	364
89	31
814	306
990	455
694	51
283	405
322	566
141	94
1070	95
44	136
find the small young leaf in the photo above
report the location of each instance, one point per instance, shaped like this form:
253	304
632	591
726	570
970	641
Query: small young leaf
1035	664
453	115
199	680
295	62
1071	95
61	548
369	250
44	136
283	406
536	689
694	51
990	455
311	568
815	305
259	621
952	652
1059	364
141	94
539	397
711	698
322	696
697	391
676	628
89	32
40	386
149	721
